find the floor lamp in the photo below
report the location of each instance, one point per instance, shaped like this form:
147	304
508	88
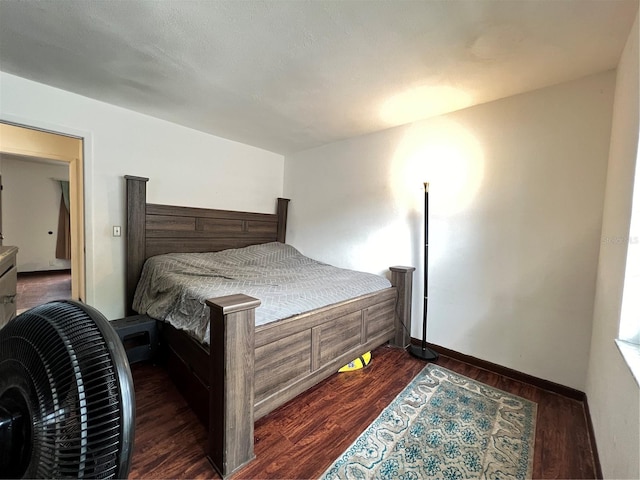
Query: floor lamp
422	351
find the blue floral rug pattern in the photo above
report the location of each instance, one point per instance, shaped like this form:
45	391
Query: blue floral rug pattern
444	426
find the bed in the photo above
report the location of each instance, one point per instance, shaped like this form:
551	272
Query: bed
246	371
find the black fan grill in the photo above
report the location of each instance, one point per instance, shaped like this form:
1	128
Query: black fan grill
67	406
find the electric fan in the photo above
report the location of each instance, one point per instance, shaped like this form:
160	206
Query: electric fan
67	406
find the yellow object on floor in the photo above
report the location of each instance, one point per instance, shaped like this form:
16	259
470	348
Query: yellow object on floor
358	363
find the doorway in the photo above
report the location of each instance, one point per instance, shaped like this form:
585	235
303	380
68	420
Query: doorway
20	141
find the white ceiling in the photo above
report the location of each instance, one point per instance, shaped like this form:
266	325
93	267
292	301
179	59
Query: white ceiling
290	75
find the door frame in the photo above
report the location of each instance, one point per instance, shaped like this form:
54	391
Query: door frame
25	140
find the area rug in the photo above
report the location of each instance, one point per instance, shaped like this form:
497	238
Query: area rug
446	426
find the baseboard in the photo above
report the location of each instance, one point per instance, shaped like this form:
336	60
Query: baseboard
507	372
592	439
66	271
531	380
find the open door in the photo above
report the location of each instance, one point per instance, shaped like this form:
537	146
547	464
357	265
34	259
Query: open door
1	236
29	142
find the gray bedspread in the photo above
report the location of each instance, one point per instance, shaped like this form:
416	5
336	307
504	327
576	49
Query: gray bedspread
173	287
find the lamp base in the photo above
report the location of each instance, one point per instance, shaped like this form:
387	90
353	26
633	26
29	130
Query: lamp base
422	353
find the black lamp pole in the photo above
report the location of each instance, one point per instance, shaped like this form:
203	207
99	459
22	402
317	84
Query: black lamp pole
422	351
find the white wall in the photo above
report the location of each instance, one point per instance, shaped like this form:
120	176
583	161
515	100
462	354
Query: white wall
516	205
612	392
186	167
30	208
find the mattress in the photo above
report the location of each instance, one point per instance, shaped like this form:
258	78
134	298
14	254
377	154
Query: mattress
173	287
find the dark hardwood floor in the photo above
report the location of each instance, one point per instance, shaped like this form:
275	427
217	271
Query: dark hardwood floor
302	438
36	288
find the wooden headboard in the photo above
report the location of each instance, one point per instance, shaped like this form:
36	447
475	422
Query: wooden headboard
154	229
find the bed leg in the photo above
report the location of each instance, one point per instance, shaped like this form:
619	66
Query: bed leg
402	279
231	382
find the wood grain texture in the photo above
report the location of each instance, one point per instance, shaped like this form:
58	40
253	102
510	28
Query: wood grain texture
330	336
293	340
273	331
154	229
285	360
402	279
283	206
36	288
507	372
231	382
170	441
302	438
136	193
8	284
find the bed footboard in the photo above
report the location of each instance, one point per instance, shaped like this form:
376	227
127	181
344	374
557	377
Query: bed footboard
231	382
247	379
402	279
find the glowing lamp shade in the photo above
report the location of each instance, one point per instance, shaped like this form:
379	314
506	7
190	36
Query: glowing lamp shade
446	155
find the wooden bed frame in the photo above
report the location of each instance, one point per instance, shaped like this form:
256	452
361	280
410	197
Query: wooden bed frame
248	371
